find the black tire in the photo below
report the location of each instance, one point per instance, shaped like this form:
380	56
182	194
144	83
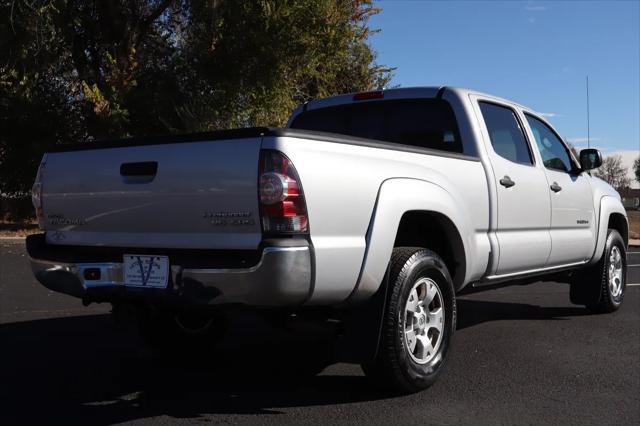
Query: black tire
590	287
395	367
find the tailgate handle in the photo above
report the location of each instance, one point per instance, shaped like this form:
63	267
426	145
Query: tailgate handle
146	168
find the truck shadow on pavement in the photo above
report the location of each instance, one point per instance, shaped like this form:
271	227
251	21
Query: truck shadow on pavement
474	312
83	370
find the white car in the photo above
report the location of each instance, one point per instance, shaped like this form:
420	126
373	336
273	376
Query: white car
375	209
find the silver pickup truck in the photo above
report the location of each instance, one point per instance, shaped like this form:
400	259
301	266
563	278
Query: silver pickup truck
373	209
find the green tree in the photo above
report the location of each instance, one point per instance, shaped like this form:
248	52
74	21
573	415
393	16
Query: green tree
37	104
76	70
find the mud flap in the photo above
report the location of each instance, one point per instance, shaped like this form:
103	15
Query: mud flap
360	337
583	291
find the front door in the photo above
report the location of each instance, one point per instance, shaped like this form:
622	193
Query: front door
523	200
572	212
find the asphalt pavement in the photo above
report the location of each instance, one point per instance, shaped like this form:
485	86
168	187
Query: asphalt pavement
521	355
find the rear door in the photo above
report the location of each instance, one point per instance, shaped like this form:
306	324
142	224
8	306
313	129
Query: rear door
523	202
572	211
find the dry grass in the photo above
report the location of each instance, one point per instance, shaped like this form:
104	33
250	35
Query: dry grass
634	223
18	229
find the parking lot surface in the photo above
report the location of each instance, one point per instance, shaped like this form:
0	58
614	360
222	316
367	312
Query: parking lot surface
521	355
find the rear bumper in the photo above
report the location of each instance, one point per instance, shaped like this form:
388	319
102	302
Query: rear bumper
281	277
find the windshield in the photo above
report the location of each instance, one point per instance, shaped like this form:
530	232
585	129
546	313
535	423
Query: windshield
427	123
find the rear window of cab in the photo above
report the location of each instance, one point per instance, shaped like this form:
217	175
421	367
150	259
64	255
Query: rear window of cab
426	123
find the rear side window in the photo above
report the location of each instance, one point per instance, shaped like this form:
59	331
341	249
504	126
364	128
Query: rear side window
506	135
427	123
555	154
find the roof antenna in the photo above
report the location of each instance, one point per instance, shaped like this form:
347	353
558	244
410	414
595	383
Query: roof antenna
588	133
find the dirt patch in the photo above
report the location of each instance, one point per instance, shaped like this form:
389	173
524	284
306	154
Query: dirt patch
634	223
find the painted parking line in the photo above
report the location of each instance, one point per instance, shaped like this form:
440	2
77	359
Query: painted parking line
634	264
633	285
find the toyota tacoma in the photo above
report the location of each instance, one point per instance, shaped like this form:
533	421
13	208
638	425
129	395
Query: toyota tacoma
373	209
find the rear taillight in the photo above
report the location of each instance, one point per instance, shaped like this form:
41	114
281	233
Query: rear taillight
36	192
282	206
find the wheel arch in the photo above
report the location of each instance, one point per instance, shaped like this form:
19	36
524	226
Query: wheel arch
403	202
619	222
437	232
612	215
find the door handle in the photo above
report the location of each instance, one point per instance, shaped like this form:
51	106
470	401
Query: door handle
507	182
555	187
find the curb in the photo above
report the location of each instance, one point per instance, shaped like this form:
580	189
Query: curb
634	243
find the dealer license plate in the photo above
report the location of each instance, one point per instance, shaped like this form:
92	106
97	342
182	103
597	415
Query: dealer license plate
146	271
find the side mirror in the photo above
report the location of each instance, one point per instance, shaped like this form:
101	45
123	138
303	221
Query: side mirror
590	159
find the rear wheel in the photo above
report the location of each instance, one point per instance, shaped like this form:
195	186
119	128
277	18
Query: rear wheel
419	321
601	287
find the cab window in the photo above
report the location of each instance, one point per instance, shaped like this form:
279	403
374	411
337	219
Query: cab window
555	155
426	123
507	138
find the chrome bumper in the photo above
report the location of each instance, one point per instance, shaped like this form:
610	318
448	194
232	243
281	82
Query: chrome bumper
282	277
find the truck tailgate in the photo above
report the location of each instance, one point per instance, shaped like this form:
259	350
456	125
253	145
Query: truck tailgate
199	194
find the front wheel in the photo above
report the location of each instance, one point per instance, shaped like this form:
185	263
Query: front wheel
419	321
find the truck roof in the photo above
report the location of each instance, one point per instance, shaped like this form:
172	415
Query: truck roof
400	93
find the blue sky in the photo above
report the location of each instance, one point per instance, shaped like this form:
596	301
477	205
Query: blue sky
535	53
